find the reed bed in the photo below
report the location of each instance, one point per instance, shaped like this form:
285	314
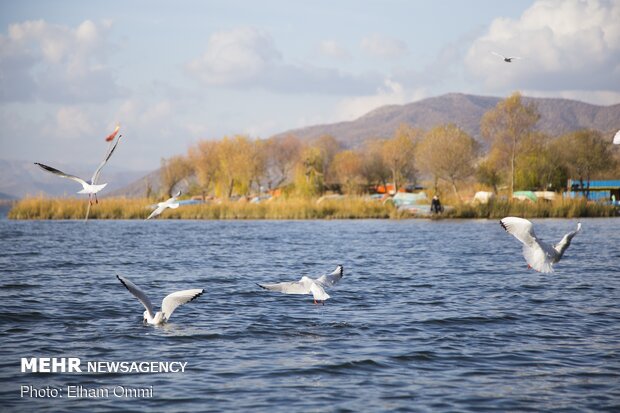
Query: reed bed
560	208
346	208
125	208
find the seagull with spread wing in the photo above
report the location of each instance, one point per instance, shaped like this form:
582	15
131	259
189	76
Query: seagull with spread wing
169	203
88	187
168	305
307	285
539	255
506	58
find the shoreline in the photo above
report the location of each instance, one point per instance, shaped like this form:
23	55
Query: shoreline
352	208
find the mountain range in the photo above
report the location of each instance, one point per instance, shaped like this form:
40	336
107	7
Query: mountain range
558	116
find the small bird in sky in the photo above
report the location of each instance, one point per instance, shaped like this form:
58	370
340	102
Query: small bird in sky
505	58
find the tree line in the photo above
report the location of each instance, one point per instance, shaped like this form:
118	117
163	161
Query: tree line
512	154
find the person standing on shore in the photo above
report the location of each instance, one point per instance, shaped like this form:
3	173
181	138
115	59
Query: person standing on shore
436	207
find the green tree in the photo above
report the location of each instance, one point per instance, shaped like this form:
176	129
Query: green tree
585	154
537	166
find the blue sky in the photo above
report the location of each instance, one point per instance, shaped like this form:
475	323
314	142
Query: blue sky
172	73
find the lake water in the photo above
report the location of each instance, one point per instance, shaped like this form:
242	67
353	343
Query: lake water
430	316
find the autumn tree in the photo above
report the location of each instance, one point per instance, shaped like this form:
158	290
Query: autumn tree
328	147
347	169
281	156
236	166
585	154
374	168
448	153
173	170
506	126
204	160
398	154
309	178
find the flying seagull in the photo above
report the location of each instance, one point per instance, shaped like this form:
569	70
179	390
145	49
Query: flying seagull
617	138
307	285
506	59
169	203
539	255
91	187
168	305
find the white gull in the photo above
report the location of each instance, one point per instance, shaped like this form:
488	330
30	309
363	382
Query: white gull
307	285
168	305
539	255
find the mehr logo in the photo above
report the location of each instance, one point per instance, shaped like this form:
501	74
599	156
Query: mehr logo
51	365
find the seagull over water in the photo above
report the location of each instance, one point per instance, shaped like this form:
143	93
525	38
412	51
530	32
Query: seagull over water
88	187
168	305
307	285
539	255
506	59
169	203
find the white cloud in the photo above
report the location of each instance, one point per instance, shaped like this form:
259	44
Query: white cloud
55	63
235	56
392	93
247	57
567	45
331	49
72	123
380	46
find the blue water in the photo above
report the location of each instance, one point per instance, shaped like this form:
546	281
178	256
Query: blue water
430	316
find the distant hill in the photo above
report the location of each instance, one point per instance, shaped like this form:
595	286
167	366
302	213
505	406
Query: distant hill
558	116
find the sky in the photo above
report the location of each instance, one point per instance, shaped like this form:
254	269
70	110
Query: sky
174	72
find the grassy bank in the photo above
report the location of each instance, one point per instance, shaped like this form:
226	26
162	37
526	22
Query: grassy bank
347	208
560	208
122	208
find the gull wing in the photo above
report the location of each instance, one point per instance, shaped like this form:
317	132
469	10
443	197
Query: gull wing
293	287
329	280
138	293
157	211
539	255
521	229
172	301
564	243
497	54
93	180
61	174
617	138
